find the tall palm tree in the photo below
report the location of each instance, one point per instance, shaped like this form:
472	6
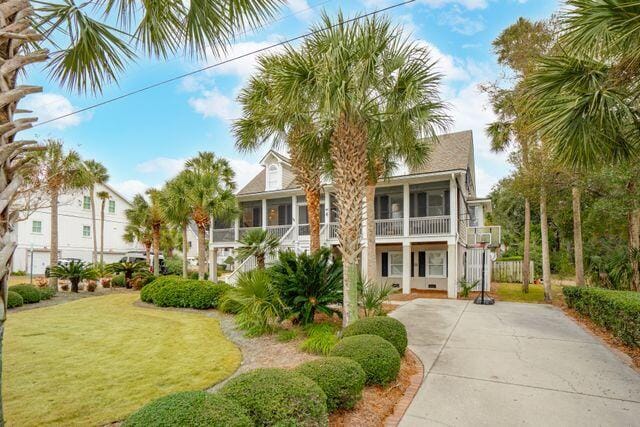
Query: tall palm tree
260	244
59	172
362	77
96	174
156	221
264	120
178	212
209	183
90	53
138	228
103	196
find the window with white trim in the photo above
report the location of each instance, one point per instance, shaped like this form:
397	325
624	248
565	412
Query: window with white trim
86	202
436	263
395	264
86	231
112	206
36	227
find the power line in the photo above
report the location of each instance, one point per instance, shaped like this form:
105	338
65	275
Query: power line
217	64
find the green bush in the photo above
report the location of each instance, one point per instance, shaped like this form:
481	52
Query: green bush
194	275
187	293
46	293
341	379
14	299
617	311
173	266
377	356
321	338
30	294
278	397
190	408
19	273
147	292
118	281
286	335
388	328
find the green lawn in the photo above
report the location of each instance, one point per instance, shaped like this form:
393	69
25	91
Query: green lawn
513	292
95	360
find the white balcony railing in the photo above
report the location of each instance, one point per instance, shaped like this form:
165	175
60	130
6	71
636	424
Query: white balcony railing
389	227
429	225
304	230
278	230
332	230
224	235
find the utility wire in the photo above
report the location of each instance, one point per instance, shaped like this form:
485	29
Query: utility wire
217	64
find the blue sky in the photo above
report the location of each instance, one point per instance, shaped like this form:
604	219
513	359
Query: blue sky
144	139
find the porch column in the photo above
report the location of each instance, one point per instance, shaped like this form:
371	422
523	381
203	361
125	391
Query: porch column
213	273
294	218
452	271
453	206
406	267
236	229
406	207
264	214
327	206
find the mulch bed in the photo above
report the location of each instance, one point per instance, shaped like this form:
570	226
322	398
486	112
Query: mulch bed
378	402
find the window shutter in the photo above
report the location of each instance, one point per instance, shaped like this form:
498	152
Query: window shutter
422	265
447	202
385	264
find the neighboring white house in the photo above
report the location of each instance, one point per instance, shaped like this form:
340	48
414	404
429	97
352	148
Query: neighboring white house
429	222
75	231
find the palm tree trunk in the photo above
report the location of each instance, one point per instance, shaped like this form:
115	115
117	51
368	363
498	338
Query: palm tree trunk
92	199
260	261
74	285
348	152
544	231
102	232
372	267
147	253
313	212
53	254
185	249
156	250
577	236
526	256
202	249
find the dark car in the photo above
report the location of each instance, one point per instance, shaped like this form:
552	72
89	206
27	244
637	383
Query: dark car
141	257
61	262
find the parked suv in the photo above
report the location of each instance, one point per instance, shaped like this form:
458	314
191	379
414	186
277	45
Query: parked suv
61	262
141	257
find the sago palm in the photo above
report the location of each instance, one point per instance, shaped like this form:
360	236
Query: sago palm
96	174
364	79
75	272
178	212
258	243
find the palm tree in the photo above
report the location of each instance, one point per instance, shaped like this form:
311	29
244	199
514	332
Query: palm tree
96	174
58	172
156	219
209	183
264	120
75	272
103	196
361	77
178	212
90	53
138	228
258	243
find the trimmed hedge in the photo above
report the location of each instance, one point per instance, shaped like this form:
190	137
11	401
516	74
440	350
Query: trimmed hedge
377	356
341	379
190	408
278	397
617	311
46	293
30	294
385	327
14	300
171	291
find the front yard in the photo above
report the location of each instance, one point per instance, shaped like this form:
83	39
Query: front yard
94	361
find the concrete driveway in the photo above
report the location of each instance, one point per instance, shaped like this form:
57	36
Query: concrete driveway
514	364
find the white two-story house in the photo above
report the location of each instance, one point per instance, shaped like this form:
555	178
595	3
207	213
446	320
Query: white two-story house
75	231
429	222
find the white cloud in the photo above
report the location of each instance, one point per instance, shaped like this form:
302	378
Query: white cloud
47	106
468	4
130	187
212	103
452	69
245	171
460	23
301	8
166	165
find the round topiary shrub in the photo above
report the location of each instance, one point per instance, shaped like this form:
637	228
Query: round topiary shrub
30	294
377	356
14	300
118	281
341	379
46	293
278	397
147	293
190	408
388	328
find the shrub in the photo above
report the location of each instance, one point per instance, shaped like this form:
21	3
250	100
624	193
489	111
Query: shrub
308	283
188	294
278	397
147	293
194	275
19	273
190	408
372	295
173	266
118	281
14	299
142	279
75	272
30	294
46	293
377	356
388	328
64	287
341	379
91	286
617	311
321	338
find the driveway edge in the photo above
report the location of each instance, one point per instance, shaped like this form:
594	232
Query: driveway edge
403	404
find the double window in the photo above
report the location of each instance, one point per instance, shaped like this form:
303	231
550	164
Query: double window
429	200
430	264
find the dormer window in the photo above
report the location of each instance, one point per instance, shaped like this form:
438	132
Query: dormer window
274	177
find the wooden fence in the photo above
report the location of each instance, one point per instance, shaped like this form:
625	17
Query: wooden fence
510	271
